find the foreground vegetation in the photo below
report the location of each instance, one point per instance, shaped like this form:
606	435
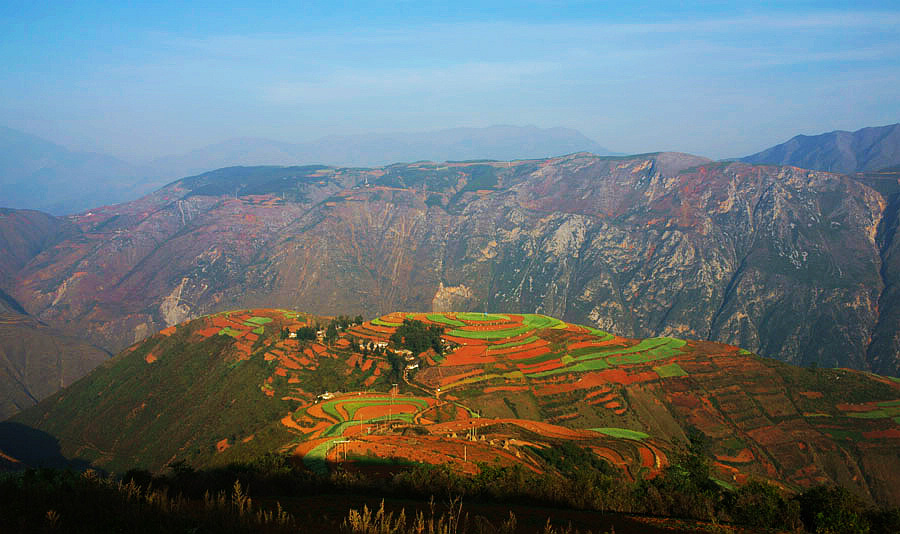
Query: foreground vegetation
219	500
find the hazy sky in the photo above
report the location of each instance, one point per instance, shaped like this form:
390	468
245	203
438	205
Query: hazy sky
145	80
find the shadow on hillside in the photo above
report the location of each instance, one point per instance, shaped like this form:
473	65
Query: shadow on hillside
34	448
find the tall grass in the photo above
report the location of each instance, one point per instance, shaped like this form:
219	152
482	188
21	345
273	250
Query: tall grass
65	501
452	521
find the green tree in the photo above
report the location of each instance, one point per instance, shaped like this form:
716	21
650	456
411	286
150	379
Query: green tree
833	510
306	333
418	337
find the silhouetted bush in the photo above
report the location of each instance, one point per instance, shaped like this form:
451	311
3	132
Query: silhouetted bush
218	500
833	510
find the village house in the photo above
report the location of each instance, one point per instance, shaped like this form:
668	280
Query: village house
324	396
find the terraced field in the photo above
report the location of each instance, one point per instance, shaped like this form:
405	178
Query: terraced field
506	386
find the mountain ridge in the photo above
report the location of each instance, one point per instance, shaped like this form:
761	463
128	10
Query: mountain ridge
39	174
866	149
609	233
500	142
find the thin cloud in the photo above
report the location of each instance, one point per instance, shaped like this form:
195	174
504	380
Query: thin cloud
353	84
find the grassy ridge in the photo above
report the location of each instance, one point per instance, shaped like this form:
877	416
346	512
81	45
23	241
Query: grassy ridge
167	402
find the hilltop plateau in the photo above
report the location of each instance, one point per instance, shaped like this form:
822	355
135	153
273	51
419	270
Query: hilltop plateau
789	263
489	389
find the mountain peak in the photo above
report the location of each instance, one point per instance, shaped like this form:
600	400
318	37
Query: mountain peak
867	149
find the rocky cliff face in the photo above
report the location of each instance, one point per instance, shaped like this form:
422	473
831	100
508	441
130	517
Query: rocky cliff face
782	261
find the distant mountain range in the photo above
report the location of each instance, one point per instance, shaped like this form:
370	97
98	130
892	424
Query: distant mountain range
38	174
370	150
868	149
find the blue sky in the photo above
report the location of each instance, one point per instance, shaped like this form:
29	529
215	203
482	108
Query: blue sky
145	80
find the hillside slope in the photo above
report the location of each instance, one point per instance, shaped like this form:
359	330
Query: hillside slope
786	262
868	149
23	235
36	360
230	387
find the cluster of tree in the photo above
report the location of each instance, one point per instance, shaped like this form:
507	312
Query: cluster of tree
418	337
344	321
305	333
338	324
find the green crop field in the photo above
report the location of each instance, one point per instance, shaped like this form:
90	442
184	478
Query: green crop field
885	410
673	369
338	429
257	321
443	319
586	356
541	321
475	316
512	375
542	358
525	341
353	406
600	333
589	359
621	433
874	414
648	350
330	408
580	367
228	331
379	322
491	334
259	330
